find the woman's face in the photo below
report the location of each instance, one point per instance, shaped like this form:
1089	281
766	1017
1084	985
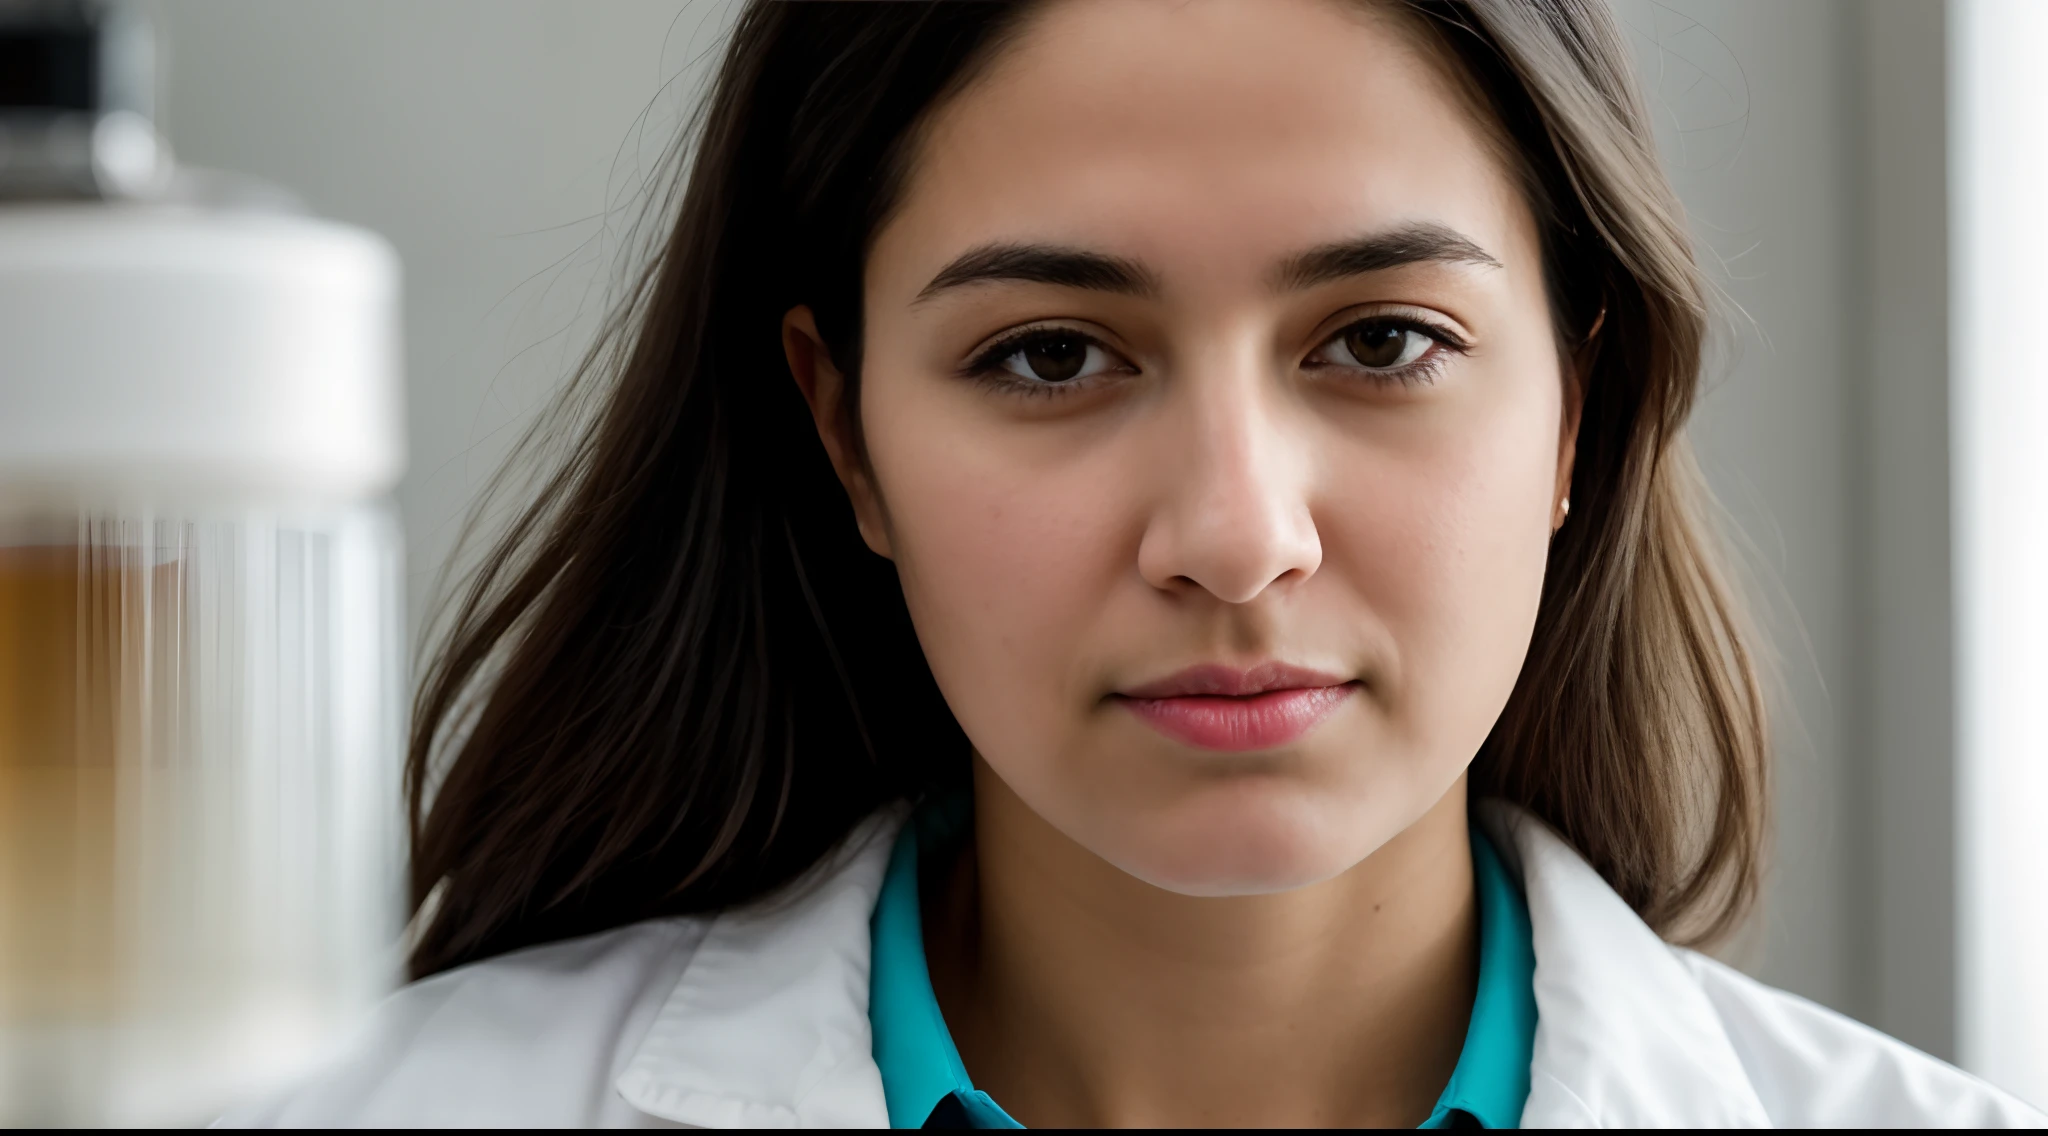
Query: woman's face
1216	425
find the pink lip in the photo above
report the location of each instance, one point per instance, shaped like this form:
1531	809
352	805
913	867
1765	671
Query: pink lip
1225	708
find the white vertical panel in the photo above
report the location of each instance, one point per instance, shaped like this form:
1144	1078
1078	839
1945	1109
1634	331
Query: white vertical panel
1999	353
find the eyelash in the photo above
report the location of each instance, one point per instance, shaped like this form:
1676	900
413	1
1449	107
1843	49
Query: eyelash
987	365
1420	372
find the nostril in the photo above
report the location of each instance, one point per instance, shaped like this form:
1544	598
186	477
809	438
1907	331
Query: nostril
1289	578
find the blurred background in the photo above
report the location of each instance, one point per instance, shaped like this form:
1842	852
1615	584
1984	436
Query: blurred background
1860	177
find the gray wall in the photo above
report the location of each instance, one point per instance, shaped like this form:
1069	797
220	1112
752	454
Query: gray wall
1749	103
499	144
1808	143
496	143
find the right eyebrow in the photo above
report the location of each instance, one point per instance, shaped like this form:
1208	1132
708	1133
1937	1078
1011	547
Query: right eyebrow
1043	264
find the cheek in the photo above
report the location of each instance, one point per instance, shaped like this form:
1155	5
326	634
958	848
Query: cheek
1448	552
1007	556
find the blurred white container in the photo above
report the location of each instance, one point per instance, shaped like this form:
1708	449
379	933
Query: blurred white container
200	660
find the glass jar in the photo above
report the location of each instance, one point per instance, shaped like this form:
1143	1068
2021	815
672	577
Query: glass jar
200	653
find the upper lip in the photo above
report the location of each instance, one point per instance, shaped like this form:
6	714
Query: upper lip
1216	679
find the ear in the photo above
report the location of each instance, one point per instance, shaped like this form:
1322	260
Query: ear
824	391
1578	373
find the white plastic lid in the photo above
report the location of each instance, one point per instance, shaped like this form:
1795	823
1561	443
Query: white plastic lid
175	354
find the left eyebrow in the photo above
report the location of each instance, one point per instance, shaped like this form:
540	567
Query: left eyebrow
1410	244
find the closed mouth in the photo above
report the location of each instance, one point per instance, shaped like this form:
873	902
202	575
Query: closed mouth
1232	709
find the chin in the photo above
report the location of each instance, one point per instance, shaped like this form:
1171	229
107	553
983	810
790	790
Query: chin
1247	840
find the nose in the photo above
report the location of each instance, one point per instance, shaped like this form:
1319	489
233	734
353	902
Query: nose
1233	515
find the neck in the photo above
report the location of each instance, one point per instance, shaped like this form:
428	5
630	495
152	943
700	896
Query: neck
1081	996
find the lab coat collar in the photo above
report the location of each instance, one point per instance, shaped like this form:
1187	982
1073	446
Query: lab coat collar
1625	1037
768	1025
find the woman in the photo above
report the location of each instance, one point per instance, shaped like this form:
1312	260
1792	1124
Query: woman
1216	631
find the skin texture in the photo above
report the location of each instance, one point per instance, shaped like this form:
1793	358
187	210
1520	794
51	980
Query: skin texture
1144	931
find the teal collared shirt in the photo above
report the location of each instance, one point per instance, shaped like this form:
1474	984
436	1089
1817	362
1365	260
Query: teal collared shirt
921	1070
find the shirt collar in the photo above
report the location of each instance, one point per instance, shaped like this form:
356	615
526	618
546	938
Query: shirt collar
921	1067
1490	1083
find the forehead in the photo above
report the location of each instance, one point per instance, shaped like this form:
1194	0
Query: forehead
1204	134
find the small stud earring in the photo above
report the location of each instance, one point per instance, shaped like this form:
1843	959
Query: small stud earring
1564	506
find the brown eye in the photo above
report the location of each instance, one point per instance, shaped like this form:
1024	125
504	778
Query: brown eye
1055	360
1054	357
1378	345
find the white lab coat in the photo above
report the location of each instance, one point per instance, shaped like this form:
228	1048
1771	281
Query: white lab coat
758	1018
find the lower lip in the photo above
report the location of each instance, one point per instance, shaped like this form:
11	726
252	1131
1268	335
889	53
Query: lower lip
1237	725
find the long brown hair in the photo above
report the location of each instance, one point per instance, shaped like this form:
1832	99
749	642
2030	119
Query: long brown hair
678	678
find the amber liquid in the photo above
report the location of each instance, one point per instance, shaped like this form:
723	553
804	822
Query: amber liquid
191	807
77	628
